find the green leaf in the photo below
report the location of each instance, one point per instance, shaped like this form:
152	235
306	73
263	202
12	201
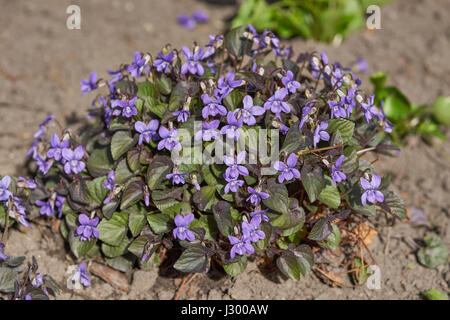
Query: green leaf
8	277
321	230
14	262
205	198
279	198
146	89
109	208
133	192
288	264
434	294
330	194
78	247
136	220
121	263
441	110
395	108
157	171
120	144
159	222
267	229
165	85
294	141
115	251
233	100
113	231
207	223
235	41
333	240
223	218
435	253
126	87
194	259
236	268
96	190
379	79
133	160
354	199
178	96
122	172
344	126
396	205
100	162
295	217
137	246
305	258
313	180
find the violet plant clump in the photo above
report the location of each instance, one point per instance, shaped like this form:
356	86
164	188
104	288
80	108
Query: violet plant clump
133	198
18	283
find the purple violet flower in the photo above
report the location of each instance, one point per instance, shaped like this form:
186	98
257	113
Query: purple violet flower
163	62
234	166
109	183
290	84
260	214
232	128
74	163
124	107
337	111
90	84
251	229
57	147
249	111
87	228
320	133
147	131
361	65
276	104
46	207
288	171
43	166
200	16
182	232
177	177
226	85
213	106
116	76
182	115
39	133
369	109
371	193
336	175
59	203
82	275
186	21
138	66
233	185
169	140
209	131
306	111
5	194
2	255
192	65
18	211
256	196
240	246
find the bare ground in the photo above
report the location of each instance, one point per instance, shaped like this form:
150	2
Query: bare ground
42	62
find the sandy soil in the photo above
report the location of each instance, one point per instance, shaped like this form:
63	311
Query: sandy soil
42	62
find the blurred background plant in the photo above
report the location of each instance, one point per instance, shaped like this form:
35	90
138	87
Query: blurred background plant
323	20
410	118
